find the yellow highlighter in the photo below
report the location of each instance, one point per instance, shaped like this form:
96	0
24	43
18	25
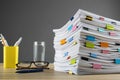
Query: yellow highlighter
10	54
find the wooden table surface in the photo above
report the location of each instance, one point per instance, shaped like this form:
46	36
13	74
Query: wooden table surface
9	74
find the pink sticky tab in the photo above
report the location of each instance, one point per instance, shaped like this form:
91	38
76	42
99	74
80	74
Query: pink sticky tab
105	51
97	66
74	28
112	33
101	18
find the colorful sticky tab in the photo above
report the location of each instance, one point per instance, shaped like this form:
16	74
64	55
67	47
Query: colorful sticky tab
97	66
104	44
118	44
70	72
63	41
105	51
109	27
66	54
73	61
71	39
117	61
70	27
114	23
71	18
68	57
112	33
89	44
89	18
90	38
101	18
84	58
118	49
101	29
93	55
74	28
75	42
85	28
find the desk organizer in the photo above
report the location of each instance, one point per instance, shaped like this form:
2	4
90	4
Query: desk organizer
10	56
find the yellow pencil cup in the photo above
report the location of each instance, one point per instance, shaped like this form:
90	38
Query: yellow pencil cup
10	56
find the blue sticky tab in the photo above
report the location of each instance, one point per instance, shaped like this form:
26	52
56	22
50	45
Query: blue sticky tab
93	55
118	49
70	27
114	23
70	39
101	29
117	61
71	18
90	38
65	54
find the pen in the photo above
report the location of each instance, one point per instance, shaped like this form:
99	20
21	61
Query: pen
29	70
4	42
18	41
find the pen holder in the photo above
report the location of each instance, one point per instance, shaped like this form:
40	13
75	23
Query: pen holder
10	54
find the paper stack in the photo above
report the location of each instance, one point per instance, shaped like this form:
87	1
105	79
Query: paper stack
88	44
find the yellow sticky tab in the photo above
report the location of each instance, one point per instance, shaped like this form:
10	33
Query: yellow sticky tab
70	72
73	61
89	18
74	43
63	41
109	27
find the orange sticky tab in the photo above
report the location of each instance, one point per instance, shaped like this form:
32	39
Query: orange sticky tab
63	41
104	44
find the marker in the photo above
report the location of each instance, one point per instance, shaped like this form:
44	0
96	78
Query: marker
18	41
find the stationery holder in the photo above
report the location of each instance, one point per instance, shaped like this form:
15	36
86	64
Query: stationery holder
10	56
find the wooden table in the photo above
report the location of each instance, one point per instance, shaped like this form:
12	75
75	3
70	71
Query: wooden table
52	75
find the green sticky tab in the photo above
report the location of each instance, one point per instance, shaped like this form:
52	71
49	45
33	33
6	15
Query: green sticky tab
89	44
73	61
109	27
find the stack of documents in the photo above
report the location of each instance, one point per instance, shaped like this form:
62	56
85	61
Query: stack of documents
88	44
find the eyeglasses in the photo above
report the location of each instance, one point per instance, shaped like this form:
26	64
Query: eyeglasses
32	65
